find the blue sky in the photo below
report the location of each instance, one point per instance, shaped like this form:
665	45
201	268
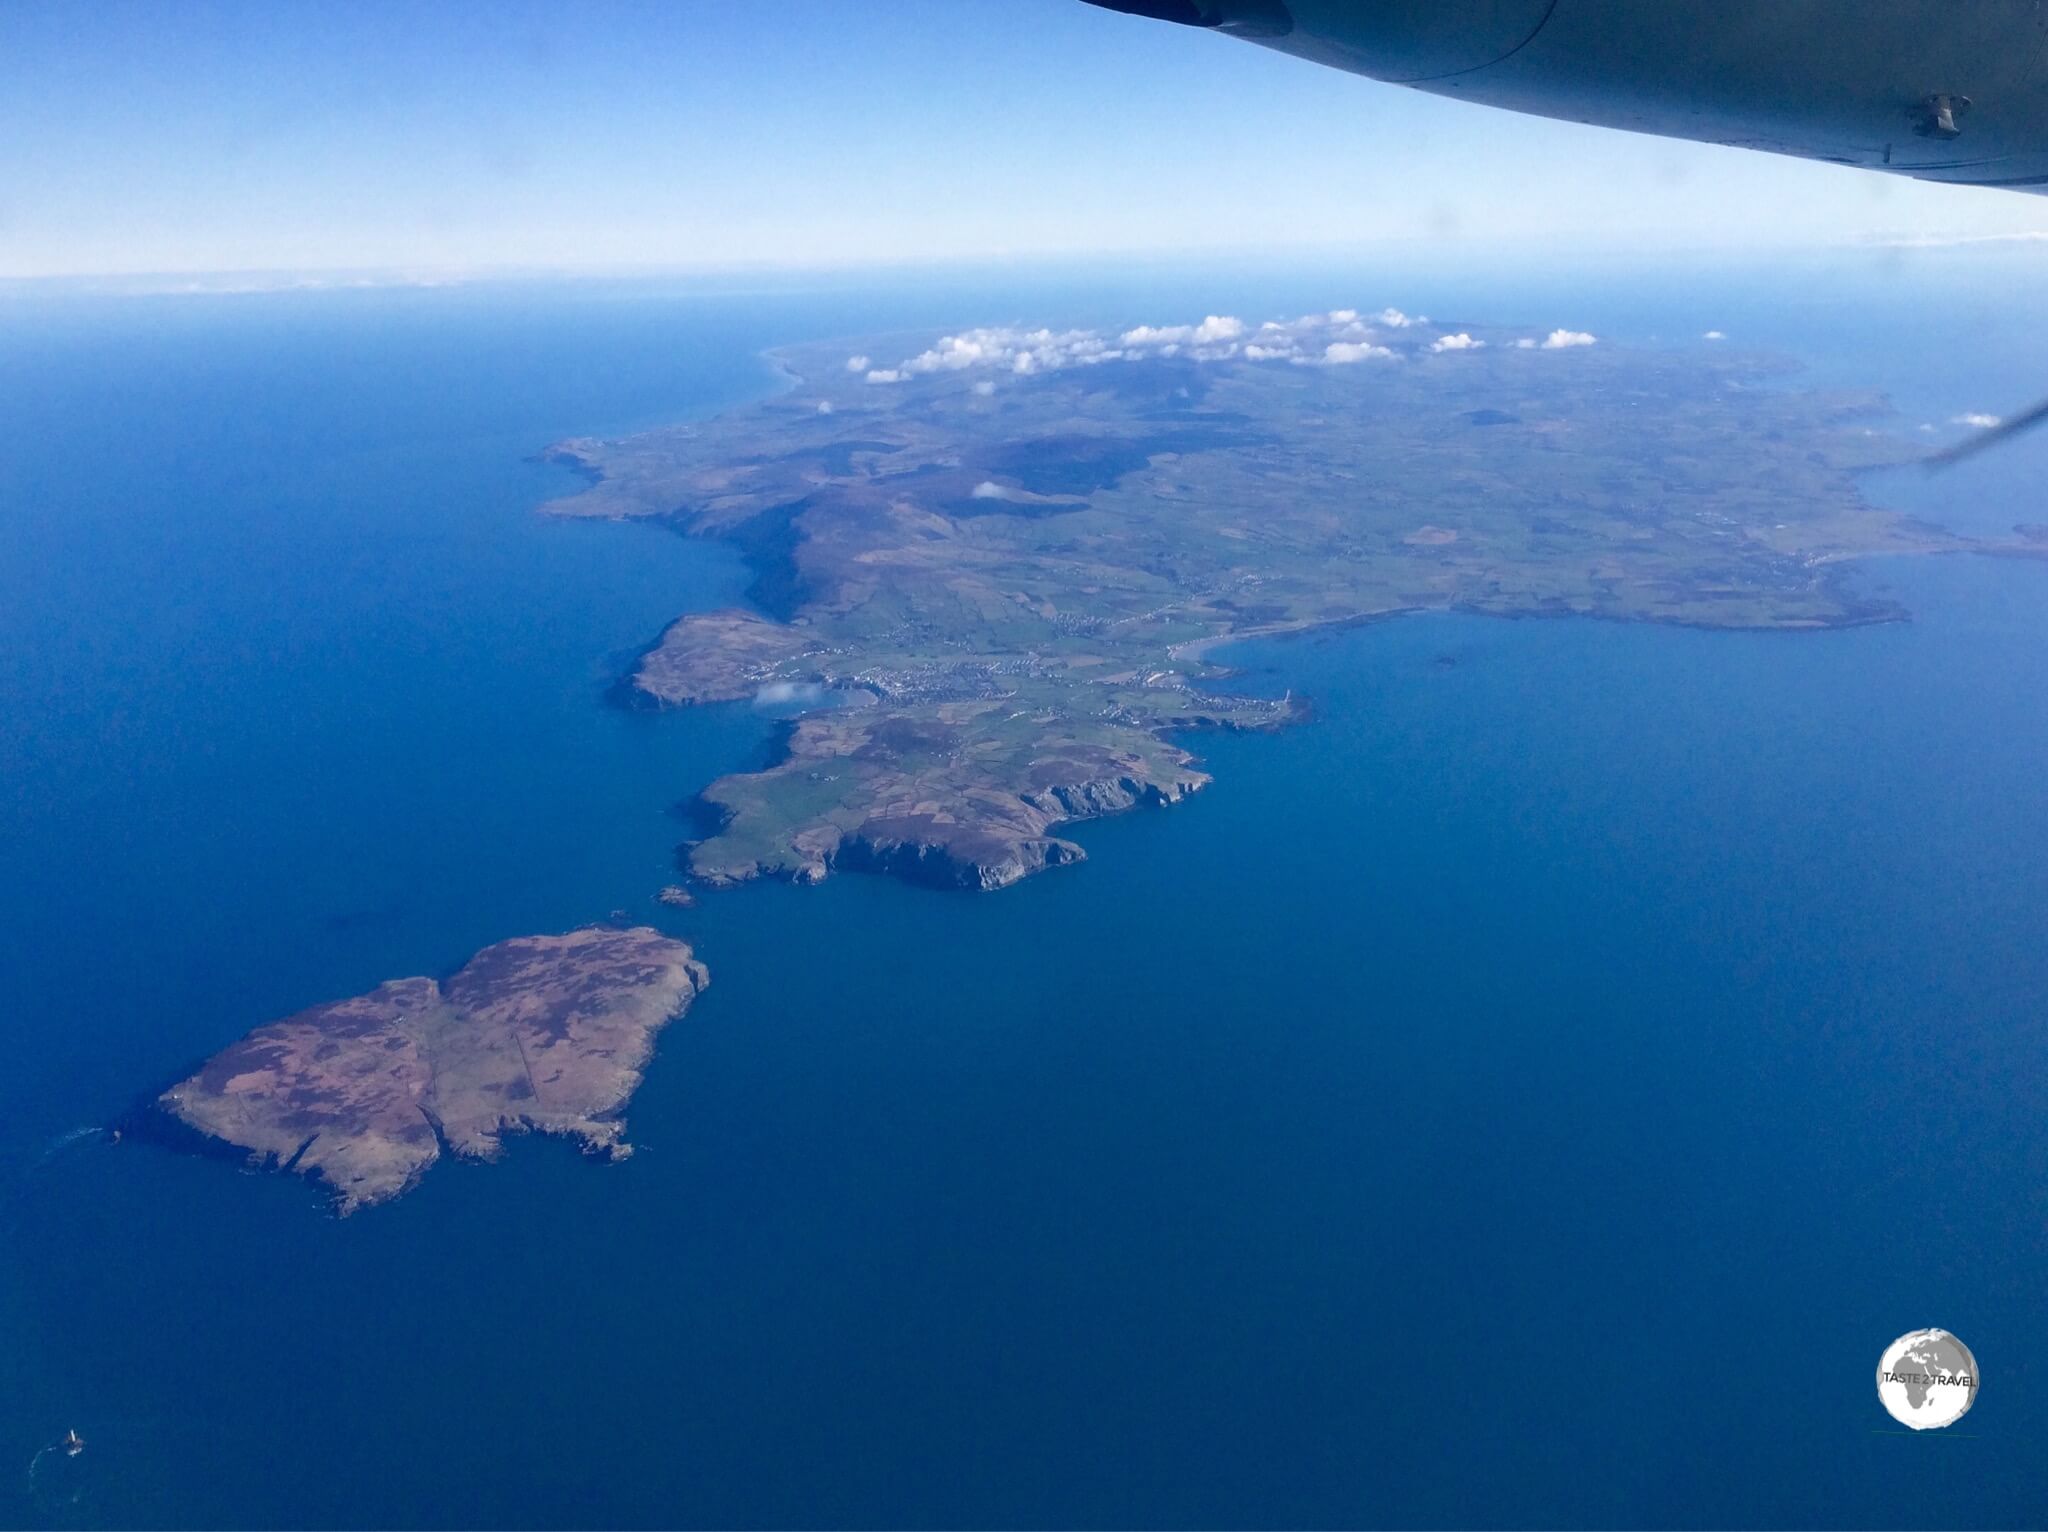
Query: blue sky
712	134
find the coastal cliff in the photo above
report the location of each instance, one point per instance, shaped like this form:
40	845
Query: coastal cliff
541	1034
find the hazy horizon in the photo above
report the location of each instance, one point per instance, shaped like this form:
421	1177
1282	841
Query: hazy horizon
795	134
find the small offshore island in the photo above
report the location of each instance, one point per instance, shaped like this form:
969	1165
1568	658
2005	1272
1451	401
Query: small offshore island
1016	548
544	1034
988	577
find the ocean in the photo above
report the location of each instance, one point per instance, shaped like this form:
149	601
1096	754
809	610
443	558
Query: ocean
1532	1093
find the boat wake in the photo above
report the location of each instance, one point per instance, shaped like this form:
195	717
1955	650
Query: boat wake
64	1141
17	1177
42	1467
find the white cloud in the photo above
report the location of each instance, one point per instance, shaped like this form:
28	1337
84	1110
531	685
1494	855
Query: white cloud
988	489
1525	344
856	364
791	693
1010	350
824	406
1713	335
1027	352
1340	352
1213	331
1335	337
954	352
1975	418
1559	340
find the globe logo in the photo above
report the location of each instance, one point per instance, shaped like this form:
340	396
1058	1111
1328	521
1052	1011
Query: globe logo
1927	1379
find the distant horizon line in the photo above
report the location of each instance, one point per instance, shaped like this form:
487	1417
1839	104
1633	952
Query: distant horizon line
251	280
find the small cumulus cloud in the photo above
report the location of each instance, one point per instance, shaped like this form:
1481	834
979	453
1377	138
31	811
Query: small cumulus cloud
824	406
1339	353
1334	337
1561	340
1011	350
786	694
856	364
1214	331
988	489
1975	418
1713	335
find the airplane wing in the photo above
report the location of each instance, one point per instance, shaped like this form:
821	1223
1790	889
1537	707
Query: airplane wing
1954	91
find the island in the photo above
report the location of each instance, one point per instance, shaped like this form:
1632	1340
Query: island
992	570
544	1034
993	576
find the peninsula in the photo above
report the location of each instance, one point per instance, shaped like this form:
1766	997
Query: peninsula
996	566
992	575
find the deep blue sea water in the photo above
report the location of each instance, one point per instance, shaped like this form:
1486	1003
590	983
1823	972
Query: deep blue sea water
1533	1093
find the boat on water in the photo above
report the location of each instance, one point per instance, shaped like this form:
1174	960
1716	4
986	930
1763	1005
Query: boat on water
73	1444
